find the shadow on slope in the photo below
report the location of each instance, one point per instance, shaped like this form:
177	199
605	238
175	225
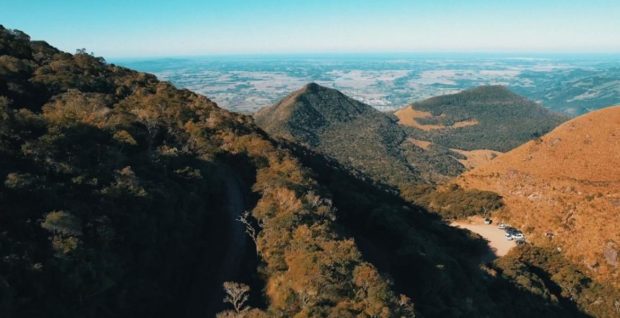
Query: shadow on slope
434	264
236	253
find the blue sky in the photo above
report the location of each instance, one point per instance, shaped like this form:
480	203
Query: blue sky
139	28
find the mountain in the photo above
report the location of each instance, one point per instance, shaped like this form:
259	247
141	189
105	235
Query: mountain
123	196
486	117
355	134
306	113
563	190
120	197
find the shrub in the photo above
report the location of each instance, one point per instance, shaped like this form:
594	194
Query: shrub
454	202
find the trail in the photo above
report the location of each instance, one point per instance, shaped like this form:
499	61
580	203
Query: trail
236	242
207	293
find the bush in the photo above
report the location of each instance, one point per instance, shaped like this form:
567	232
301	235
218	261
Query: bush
454	202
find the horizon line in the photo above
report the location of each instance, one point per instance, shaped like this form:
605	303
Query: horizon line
512	54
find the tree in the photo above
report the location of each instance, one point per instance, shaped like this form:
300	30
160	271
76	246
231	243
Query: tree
249	228
236	295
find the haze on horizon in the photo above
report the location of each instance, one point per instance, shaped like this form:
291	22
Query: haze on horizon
142	28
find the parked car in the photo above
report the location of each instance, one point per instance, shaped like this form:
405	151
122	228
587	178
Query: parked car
488	221
502	226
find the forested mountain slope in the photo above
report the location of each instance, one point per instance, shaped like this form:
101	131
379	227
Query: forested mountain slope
486	117
355	134
119	194
113	191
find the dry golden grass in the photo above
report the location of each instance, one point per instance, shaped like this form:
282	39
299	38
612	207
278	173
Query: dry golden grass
421	143
465	123
476	157
566	183
408	117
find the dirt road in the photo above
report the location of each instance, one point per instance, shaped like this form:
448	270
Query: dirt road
495	236
206	296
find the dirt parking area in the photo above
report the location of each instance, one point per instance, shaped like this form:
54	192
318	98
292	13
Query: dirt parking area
495	236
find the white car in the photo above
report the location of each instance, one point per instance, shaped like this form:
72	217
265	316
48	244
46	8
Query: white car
519	236
502	226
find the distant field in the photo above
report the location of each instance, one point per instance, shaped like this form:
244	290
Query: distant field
570	84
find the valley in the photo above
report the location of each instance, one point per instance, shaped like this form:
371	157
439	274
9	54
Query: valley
572	84
152	200
492	123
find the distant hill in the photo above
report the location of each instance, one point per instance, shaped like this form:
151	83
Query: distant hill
121	196
573	91
563	190
356	135
486	117
308	113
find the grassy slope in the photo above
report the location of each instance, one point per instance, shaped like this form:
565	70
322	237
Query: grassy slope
566	183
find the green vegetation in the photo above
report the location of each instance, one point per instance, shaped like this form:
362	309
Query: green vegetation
436	163
350	131
357	135
434	264
115	201
546	272
452	201
505	120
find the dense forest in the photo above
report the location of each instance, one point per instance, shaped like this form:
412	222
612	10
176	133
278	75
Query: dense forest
115	201
357	135
123	196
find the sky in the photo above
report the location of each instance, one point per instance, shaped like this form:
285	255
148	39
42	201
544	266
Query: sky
155	28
